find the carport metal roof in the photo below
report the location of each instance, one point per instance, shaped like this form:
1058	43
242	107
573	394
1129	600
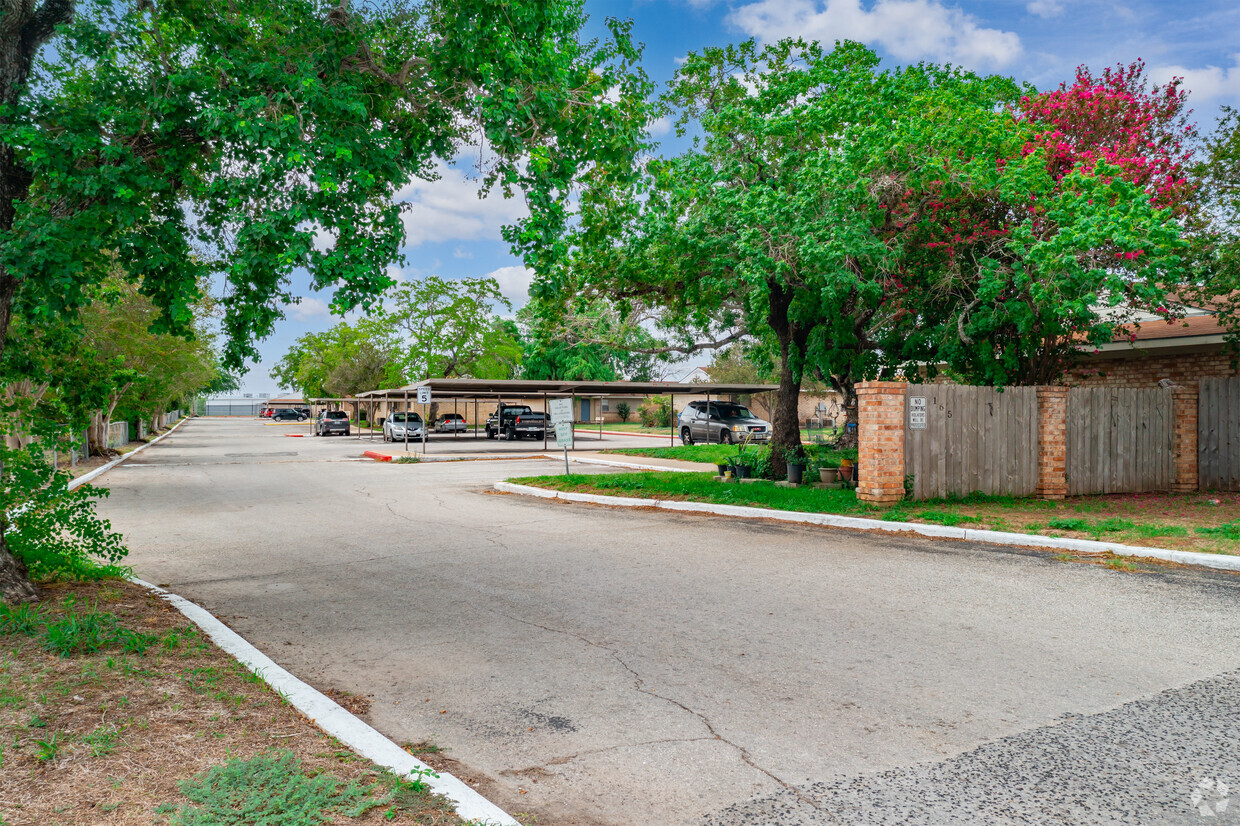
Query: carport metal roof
520	388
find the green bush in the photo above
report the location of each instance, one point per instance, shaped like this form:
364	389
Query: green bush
624	411
657	412
54	531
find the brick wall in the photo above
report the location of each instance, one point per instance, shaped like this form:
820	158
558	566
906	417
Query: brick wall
1184	402
1052	442
1147	371
880	464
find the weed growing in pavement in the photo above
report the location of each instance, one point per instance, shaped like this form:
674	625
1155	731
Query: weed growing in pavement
406	460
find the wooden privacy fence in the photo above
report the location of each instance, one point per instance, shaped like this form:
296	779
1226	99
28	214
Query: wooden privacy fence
963	439
1218	434
1119	440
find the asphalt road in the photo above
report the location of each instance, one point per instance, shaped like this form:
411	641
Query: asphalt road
599	666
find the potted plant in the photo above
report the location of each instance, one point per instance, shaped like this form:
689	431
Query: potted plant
846	470
829	469
741	468
796	468
723	467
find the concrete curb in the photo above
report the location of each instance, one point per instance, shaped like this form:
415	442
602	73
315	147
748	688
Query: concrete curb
99	471
1218	561
333	719
633	465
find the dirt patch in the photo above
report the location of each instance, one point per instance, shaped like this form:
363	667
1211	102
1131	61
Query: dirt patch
104	737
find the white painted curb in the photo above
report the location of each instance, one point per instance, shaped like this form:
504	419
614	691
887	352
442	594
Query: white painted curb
588	460
99	471
333	719
1219	561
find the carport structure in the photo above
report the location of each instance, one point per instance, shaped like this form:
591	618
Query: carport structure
500	390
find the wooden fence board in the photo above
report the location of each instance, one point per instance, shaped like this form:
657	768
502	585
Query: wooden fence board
1218	433
1119	440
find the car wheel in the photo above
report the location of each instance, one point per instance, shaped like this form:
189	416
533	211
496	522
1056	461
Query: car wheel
686	436
725	438
346	433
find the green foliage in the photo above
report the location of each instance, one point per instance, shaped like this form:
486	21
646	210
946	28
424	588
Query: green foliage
623	411
1228	530
1216	224
52	530
567	338
656	412
1068	524
273	790
168	135
26	618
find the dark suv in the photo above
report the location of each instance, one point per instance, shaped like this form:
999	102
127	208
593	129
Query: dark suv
287	414
331	421
724	423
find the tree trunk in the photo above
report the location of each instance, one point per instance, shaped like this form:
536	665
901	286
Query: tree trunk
847	388
786	423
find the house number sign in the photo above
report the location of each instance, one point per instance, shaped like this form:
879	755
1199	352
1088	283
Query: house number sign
917	412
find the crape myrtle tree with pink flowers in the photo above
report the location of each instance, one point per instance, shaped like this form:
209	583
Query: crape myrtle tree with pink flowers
1090	235
850	223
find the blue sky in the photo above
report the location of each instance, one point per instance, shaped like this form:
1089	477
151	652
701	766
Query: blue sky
454	234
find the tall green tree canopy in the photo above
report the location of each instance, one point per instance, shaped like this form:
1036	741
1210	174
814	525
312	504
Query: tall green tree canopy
851	220
244	131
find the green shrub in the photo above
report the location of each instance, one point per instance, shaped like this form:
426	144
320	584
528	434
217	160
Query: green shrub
657	412
624	411
272	790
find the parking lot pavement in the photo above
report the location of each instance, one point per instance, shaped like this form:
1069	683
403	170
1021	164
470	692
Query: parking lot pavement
598	666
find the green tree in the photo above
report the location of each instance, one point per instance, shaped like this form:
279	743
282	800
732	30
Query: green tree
1216	223
448	327
342	361
135	132
575	340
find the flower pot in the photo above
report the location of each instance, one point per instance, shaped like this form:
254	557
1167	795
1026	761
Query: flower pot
796	472
743	471
846	472
723	468
828	474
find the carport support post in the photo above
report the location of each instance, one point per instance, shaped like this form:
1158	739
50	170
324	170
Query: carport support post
671	424
547	421
707	411
406	431
475	418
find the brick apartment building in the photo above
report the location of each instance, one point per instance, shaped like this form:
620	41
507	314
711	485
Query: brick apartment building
1183	351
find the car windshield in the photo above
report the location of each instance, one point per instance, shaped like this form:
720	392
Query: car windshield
732	411
451	416
337	414
412	418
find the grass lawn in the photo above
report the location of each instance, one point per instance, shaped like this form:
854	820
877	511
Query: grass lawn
710	454
807	436
1189	522
115	709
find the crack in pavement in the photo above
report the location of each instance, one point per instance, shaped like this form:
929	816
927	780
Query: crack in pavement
741	751
560	761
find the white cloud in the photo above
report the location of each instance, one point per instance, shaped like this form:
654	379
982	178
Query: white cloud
310	308
449	209
1045	9
905	29
660	127
1207	83
461	252
514	283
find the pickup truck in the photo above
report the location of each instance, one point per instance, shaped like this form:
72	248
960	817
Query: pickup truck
516	420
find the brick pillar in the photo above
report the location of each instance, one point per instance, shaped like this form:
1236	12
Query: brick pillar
1052	442
880	434
1184	439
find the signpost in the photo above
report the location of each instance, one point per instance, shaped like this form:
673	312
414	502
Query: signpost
564	439
561	411
917	412
424	399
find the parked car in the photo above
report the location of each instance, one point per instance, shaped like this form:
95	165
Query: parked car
331	421
450	423
402	426
265	413
519	421
515	421
723	423
288	414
